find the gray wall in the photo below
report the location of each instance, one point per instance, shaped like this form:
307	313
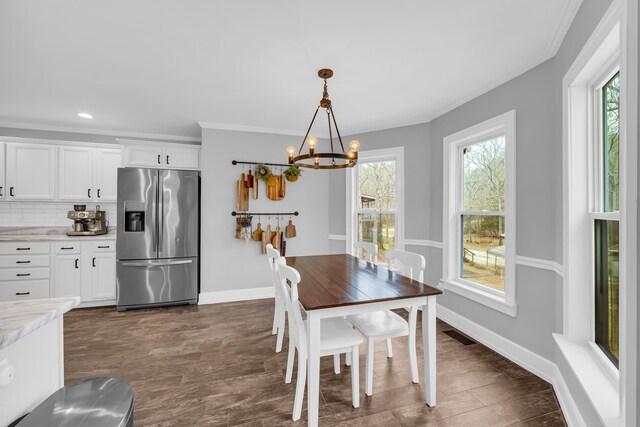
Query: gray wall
537	98
229	263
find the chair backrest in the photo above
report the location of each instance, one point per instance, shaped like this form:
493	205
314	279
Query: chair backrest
273	255
408	264
370	250
288	285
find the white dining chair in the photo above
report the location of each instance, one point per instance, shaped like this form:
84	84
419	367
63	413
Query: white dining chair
336	336
385	324
280	309
370	250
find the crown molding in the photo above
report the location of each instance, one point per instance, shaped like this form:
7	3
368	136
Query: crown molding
255	129
50	128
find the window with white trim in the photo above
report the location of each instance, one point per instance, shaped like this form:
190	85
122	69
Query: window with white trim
375	205
605	217
479	240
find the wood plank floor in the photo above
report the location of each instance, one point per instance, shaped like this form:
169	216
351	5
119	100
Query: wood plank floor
215	365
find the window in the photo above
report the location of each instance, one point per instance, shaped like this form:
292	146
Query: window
479	216
375	205
605	218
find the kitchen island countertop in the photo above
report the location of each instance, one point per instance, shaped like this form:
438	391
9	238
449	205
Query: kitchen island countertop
19	318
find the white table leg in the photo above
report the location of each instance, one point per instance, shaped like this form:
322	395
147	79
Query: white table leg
429	349
313	382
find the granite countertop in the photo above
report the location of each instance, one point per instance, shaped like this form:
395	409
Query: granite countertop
48	234
19	318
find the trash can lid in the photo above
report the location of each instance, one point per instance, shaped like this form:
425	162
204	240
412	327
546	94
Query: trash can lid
96	402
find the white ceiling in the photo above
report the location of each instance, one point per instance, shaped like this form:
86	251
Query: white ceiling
160	66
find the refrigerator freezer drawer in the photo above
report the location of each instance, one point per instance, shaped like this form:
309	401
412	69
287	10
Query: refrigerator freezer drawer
156	282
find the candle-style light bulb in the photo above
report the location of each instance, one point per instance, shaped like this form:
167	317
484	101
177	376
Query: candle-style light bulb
354	145
291	150
312	142
316	162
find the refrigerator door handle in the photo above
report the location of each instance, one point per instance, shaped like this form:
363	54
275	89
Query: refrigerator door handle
160	215
161	263
154	210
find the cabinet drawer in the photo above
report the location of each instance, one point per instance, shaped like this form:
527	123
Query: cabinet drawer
104	246
24	261
15	248
29	289
18	274
62	248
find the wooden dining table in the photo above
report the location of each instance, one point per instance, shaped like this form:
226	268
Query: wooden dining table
342	285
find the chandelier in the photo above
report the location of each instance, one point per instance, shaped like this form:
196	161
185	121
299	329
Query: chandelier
328	159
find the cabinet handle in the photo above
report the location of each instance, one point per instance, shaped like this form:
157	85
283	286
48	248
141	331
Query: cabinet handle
93	263
89	193
11	191
77	263
23	249
1	190
98	193
23	262
23	274
103	247
158	158
167	159
66	249
23	293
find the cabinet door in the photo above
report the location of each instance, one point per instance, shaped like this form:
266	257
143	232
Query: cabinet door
3	171
103	276
66	276
30	171
75	174
143	156
182	158
105	174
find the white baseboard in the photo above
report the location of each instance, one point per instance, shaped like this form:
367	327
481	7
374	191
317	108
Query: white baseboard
525	358
236	295
101	303
568	405
529	360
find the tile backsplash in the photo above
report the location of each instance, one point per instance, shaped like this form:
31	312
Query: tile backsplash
17	214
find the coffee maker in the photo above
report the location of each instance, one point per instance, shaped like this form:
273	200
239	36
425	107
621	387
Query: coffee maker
87	223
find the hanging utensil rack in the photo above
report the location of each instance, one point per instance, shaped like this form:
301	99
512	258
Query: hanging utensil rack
238	162
234	213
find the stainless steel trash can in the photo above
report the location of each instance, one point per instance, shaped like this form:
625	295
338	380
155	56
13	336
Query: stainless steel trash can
96	402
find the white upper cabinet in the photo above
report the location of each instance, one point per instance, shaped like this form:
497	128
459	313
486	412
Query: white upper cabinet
182	158
105	174
144	156
3	172
30	171
75	174
160	155
88	174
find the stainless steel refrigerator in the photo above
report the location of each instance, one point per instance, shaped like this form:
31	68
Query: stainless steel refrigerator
158	237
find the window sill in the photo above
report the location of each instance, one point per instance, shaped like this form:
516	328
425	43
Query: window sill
484	298
601	389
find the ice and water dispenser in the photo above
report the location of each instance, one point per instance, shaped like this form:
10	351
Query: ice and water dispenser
133	216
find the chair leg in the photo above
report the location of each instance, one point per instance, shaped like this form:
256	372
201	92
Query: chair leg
292	351
368	383
336	363
281	320
389	349
355	378
276	317
300	382
347	359
413	359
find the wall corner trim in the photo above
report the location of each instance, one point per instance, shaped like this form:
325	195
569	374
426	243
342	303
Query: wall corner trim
247	294
541	264
567	404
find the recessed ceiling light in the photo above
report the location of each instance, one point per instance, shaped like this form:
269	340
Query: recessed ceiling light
85	115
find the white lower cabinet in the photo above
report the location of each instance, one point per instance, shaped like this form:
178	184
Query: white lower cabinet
59	269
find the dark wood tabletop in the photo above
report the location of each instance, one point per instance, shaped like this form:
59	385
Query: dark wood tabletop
339	280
